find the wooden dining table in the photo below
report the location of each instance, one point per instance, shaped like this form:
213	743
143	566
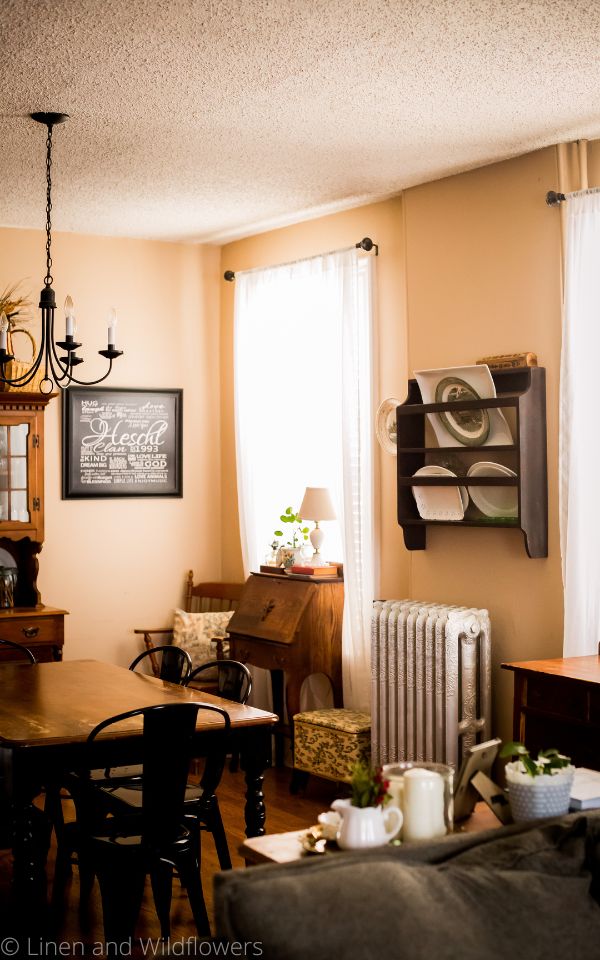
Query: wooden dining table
47	711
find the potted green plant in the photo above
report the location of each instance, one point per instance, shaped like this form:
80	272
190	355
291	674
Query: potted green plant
298	535
537	788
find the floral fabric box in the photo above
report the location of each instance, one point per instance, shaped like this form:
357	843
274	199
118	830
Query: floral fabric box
328	743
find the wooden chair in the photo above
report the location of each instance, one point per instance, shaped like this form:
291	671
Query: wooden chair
199	598
21	651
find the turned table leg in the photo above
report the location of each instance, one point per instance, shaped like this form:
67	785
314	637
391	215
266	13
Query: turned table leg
255	758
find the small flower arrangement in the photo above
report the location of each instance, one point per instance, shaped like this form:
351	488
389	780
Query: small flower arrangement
369	787
548	762
300	533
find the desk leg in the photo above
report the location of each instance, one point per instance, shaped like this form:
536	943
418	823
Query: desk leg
255	758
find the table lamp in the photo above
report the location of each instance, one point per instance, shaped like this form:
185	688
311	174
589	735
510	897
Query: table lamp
316	505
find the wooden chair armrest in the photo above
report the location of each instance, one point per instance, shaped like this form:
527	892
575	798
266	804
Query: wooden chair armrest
160	630
219	643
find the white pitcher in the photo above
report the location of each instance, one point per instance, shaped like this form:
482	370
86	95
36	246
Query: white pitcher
363	827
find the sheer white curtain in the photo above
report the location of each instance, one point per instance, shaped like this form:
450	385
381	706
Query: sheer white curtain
579	448
303	414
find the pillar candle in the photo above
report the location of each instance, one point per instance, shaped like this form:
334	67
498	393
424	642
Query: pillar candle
423	805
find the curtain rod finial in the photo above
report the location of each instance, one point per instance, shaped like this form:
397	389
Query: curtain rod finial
229	275
367	244
553	198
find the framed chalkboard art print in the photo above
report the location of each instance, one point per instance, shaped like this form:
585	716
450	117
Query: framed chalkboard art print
121	443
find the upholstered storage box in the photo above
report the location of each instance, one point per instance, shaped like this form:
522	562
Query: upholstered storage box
329	742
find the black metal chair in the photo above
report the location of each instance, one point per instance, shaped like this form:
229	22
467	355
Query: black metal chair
229	679
21	648
147	833
168	662
233	681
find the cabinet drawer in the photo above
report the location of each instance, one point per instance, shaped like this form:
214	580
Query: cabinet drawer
33	630
558	696
269	656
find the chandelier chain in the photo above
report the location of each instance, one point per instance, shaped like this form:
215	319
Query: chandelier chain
48	279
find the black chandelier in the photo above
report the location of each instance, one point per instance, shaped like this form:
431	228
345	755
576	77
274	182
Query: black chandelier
57	370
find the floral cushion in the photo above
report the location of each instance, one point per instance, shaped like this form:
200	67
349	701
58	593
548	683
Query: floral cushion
329	743
194	632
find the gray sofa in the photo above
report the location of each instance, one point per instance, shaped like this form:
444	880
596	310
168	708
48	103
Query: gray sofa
526	892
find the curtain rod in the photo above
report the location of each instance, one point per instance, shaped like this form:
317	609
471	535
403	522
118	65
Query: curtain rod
553	198
365	244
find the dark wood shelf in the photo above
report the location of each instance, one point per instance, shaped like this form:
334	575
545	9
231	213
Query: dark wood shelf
524	391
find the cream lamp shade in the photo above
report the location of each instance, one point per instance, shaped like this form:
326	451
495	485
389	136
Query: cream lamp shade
317	505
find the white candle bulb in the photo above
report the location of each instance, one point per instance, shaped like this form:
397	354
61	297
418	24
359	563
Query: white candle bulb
3	331
69	317
112	326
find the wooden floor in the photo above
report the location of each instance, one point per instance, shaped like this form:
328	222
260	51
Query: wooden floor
284	812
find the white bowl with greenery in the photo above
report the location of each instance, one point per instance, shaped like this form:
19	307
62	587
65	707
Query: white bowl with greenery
537	788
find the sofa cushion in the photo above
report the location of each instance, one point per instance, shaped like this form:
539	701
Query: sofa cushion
494	896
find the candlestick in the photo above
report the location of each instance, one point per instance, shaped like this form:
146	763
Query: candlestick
3	331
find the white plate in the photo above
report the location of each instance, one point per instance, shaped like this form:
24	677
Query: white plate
439	503
494	501
470	428
385	425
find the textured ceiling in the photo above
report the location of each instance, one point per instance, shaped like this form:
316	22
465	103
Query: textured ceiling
211	119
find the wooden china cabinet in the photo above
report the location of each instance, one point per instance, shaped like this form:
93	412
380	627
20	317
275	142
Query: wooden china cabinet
27	620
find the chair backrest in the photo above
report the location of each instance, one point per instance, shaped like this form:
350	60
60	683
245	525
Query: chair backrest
211	597
167	662
25	652
233	679
168	735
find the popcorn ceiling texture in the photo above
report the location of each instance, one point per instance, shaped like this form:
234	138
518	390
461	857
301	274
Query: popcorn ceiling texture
205	121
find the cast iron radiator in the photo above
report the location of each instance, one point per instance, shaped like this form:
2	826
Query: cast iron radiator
431	681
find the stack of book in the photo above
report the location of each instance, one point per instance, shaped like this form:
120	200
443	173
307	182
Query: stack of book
585	792
310	571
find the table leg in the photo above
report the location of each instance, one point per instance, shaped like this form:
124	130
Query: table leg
279	709
30	843
255	758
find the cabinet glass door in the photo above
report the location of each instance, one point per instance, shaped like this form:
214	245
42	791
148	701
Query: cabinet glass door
14	493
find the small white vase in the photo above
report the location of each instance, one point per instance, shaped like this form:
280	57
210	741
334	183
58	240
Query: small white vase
364	827
532	798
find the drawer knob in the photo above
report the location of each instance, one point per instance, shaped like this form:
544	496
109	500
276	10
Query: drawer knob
30	632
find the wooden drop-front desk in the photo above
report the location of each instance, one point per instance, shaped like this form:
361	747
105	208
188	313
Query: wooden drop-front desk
290	626
557	704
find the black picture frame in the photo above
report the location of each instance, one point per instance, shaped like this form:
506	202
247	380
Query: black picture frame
121	442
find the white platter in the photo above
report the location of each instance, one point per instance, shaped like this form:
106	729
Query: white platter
439	503
386	426
471	427
494	501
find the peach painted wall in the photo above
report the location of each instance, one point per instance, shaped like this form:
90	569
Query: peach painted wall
119	564
468	266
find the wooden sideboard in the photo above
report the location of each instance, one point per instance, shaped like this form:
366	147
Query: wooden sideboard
292	627
40	628
557	704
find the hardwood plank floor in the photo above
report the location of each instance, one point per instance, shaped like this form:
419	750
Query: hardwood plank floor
284	812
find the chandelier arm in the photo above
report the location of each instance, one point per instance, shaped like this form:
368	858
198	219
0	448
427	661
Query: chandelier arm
91	383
